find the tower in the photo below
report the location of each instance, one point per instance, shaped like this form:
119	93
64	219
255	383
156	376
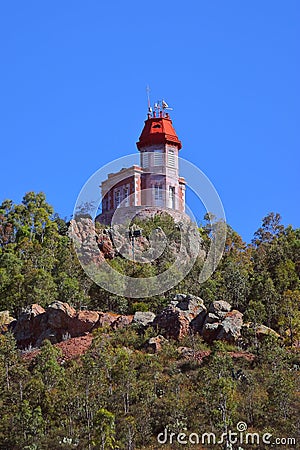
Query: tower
159	148
156	181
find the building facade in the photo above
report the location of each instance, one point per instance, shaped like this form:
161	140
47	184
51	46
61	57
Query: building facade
156	181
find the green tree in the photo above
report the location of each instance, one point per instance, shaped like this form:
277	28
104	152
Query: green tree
47	366
289	316
104	429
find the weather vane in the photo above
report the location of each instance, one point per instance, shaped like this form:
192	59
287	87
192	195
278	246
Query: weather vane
160	105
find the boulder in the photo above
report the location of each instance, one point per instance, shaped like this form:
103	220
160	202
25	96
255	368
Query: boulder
60	322
210	331
219	308
229	329
59	314
190	305
143	318
34	310
231	326
185	312
173	322
29	325
155	343
83	322
194	309
121	322
262	331
106	319
211	318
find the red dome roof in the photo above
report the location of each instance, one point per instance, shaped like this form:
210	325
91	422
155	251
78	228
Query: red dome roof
158	130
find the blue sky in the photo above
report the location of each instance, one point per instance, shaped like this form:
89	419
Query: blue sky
72	95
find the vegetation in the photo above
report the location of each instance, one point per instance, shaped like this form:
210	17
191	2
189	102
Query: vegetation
121	396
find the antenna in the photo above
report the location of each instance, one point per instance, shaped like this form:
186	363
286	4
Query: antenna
148	98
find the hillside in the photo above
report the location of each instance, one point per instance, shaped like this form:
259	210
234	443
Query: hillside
84	368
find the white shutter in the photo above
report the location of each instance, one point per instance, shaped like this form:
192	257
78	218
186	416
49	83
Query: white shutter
145	160
158	158
171	158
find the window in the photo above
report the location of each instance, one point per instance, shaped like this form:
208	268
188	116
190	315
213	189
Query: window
158	195
171	158
145	160
172	197
125	196
158	158
117	198
158	192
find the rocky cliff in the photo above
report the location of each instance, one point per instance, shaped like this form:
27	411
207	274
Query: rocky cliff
185	314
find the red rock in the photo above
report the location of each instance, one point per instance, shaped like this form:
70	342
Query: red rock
71	349
121	322
83	322
75	347
155	343
36	309
107	318
174	322
30	325
244	355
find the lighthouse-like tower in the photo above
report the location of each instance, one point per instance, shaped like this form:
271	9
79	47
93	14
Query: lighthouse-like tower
159	147
156	181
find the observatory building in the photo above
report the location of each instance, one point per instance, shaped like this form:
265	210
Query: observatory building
155	182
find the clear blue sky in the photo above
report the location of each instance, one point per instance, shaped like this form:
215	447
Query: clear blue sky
72	95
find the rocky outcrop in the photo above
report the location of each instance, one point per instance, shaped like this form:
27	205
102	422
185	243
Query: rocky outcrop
211	331
143	318
173	322
29	324
121	322
221	323
94	245
185	314
219	308
181	315
59	322
155	343
188	313
261	331
86	240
